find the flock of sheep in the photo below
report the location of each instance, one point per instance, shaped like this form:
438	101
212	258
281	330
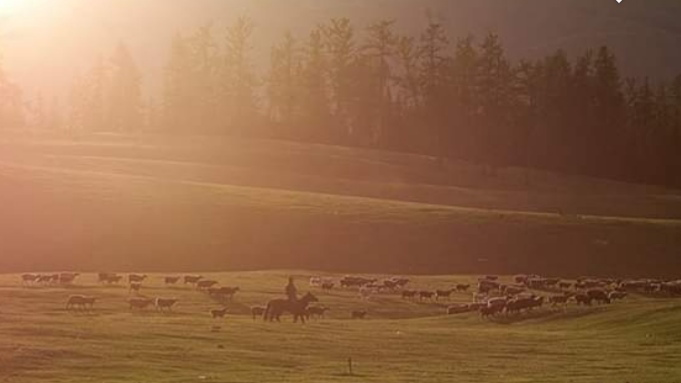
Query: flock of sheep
490	297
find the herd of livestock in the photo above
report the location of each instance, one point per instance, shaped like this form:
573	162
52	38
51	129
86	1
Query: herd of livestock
489	297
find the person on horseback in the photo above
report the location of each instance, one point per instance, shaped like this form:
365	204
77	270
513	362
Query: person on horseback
291	290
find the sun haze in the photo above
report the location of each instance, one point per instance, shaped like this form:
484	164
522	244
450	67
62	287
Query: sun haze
340	190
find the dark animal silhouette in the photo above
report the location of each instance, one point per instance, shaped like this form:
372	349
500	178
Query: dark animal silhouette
218	313
276	307
358	314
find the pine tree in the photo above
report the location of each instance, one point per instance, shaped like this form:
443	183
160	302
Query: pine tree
434	81
608	114
408	58
124	94
314	82
379	49
284	82
178	103
464	96
203	71
238	79
11	105
339	42
494	86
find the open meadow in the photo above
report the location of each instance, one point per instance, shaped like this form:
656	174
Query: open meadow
100	202
637	339
95	202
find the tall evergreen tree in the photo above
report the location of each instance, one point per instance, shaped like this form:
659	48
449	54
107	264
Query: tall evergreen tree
177	98
284	83
380	50
494	87
238	79
434	81
124	93
339	42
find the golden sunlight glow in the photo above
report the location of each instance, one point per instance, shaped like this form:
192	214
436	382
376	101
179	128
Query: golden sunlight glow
12	7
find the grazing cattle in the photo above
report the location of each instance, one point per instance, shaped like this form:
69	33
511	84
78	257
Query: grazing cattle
257	311
491	277
536	283
426	295
617	295
136	278
520	279
486	311
514	290
672	288
192	279
224	292
29	278
485	286
165	303
80	301
316	311
218	313
365	292
463	288
564	285
458	309
140	303
599	296
48	279
135	286
315	281
358	314
67	278
443	294
499	301
109	278
327	285
524	303
205	284
559	299
409	294
388	284
349	281
583	299
171	280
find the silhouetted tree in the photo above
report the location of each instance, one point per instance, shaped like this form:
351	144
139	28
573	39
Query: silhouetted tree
238	79
284	83
339	42
124	93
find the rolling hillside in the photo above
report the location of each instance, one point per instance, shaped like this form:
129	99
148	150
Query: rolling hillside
147	203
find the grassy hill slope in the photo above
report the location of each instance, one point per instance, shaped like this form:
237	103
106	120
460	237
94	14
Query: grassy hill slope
126	204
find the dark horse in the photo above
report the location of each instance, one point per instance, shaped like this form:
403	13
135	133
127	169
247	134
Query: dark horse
276	307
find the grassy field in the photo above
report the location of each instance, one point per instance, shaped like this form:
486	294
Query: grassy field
636	340
103	202
148	203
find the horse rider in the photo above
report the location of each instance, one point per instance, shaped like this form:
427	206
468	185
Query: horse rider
291	290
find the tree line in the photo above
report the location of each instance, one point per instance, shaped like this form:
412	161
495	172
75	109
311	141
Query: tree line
378	88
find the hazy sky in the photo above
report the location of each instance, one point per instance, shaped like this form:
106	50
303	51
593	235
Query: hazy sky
45	41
